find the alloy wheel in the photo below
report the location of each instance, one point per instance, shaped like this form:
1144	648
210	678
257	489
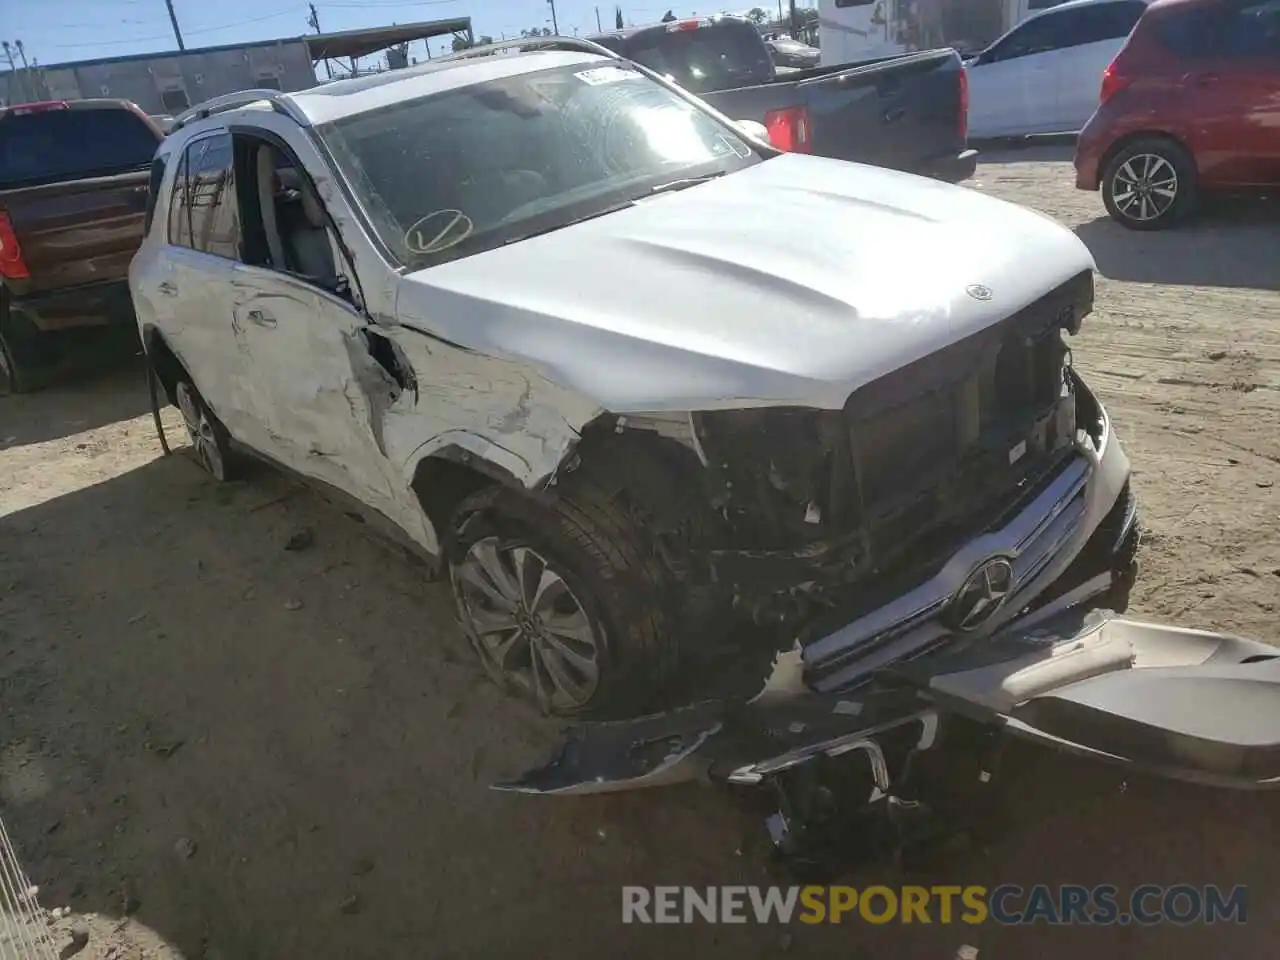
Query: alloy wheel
1145	187
200	428
527	625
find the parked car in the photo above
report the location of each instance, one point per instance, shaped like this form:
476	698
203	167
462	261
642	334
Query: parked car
905	112
792	53
73	205
1042	76
533	313
1190	106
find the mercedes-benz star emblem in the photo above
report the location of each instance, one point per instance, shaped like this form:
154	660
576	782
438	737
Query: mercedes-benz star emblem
978	291
982	595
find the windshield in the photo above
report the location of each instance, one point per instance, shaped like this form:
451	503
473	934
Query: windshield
465	171
718	56
54	145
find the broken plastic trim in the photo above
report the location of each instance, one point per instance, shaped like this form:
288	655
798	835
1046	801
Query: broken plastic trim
1173	702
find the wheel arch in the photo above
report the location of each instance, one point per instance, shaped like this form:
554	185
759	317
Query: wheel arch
1133	137
162	359
462	466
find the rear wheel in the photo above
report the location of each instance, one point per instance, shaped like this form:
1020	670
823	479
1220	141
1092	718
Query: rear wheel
19	370
210	441
1151	184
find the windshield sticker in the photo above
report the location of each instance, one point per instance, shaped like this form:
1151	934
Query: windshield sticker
601	75
437	232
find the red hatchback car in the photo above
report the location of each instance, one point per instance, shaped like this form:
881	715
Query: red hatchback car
1190	105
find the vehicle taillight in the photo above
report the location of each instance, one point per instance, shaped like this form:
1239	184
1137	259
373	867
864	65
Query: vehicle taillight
789	129
12	266
1112	82
964	105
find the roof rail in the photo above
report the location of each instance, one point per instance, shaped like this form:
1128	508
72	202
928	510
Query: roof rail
526	44
233	101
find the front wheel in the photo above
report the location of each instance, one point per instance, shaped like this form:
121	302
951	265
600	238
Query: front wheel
20	371
1151	184
561	601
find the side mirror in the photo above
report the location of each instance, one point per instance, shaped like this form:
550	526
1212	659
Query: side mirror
754	129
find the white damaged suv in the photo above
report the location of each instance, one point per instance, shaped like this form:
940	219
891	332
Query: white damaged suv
661	400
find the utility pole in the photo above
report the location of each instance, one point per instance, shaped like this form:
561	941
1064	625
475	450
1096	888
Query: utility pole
555	27
314	22
599	28
173	18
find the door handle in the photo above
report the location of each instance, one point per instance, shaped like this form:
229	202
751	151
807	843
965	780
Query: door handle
261	319
167	288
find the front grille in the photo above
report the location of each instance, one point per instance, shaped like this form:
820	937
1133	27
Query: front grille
943	447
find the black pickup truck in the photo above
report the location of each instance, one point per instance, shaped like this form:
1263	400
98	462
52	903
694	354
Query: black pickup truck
73	199
907	112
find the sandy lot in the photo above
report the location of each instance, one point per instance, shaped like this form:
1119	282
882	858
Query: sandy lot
260	752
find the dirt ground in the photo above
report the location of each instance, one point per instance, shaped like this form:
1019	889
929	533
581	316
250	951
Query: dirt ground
262	752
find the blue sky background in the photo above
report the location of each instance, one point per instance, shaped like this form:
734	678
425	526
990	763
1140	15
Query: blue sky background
56	31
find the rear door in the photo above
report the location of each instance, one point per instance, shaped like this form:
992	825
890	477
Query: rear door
73	181
1233	91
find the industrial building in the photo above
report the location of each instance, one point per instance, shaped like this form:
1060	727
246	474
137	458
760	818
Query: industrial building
170	82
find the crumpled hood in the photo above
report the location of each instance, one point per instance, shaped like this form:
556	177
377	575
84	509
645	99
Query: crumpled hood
793	282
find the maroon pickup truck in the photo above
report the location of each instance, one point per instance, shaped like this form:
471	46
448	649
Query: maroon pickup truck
73	204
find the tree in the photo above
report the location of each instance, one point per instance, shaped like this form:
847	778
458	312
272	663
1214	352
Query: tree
536	32
757	16
460	43
484	40
617	18
668	17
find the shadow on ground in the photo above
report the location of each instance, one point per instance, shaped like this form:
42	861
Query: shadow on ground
107	392
1228	244
284	753
1048	149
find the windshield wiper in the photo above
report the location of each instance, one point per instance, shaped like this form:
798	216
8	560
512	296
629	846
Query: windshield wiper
684	184
553	227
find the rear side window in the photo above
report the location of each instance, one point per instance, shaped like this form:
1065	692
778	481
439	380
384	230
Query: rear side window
1244	28
718	56
179	209
58	145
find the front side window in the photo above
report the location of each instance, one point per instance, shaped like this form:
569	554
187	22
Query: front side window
179	210
465	171
1040	35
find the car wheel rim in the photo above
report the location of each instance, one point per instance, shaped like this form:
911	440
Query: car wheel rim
1145	187
200	429
527	625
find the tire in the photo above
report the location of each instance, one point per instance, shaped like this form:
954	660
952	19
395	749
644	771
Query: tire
595	642
210	442
1138	179
19	351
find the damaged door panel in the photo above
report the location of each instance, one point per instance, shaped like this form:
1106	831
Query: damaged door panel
1173	702
331	382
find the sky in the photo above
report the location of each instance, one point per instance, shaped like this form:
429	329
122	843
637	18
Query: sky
57	31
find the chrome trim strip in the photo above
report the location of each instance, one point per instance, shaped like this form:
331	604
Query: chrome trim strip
930	596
